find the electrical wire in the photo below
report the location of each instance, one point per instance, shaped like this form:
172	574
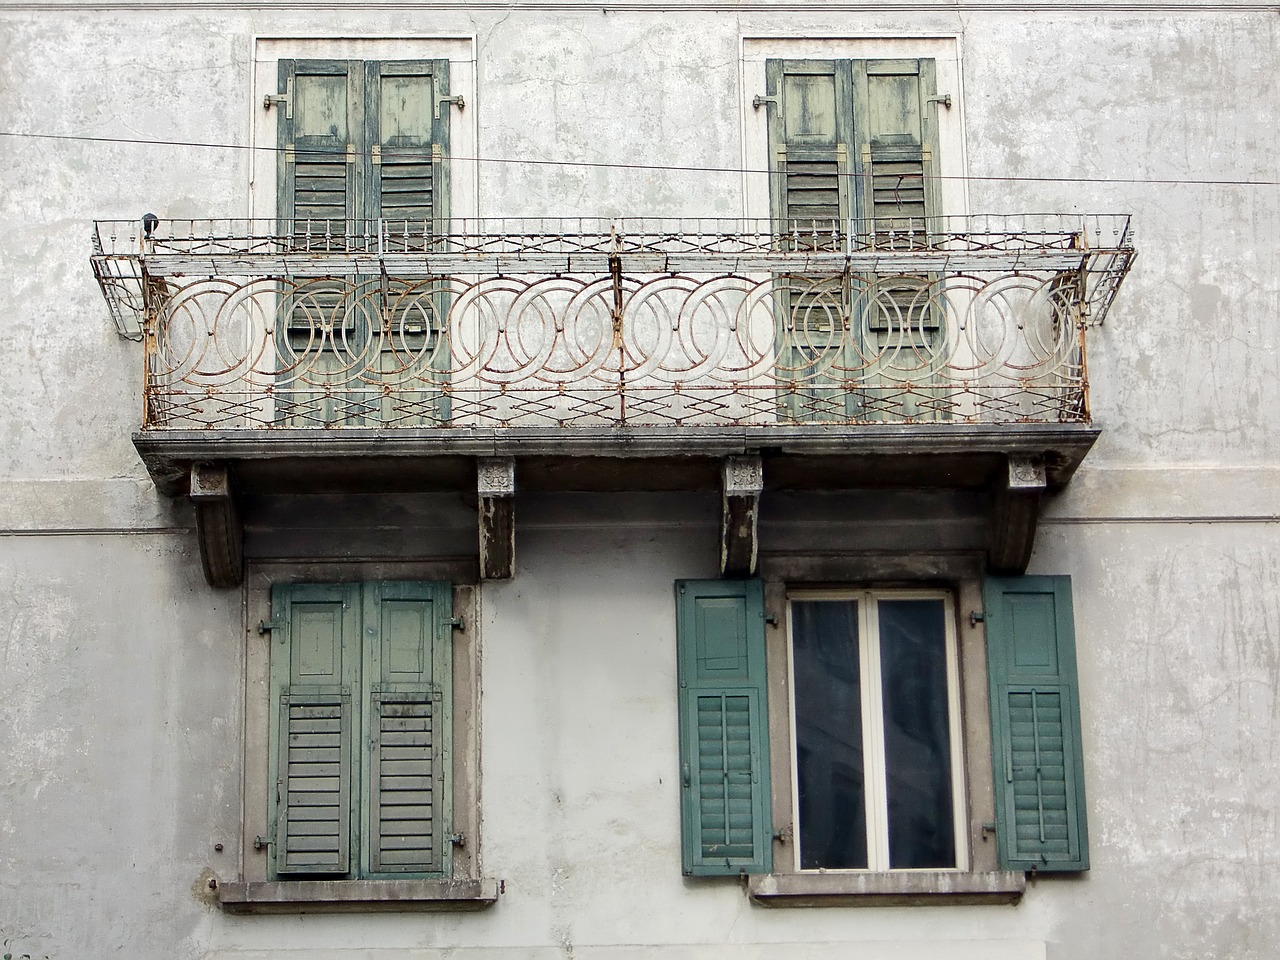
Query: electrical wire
660	167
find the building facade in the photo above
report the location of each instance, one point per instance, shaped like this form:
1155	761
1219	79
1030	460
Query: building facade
684	479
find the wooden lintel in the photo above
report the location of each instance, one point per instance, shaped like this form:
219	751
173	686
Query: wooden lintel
743	482
1014	513
218	526
496	487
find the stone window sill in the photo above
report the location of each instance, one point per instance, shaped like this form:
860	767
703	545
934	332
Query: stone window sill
355	896
924	888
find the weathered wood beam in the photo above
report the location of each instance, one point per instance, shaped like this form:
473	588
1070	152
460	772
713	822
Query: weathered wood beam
1015	511
496	486
742	482
218	526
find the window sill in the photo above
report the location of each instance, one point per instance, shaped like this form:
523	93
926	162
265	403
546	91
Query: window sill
355	896
935	888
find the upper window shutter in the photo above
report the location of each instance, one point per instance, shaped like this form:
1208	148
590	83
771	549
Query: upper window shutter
1035	724
724	742
320	133
313	668
810	132
408	689
897	136
408	124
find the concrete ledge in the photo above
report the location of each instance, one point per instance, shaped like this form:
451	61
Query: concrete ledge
355	896
916	888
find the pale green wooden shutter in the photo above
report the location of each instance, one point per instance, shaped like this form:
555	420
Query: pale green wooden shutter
724	741
408	188
314	665
408	691
1035	724
810	132
897	137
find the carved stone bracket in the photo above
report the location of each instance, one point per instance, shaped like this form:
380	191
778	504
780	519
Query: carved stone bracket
218	525
743	482
1015	511
496	486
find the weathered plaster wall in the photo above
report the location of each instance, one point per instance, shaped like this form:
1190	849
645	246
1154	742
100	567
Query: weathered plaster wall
120	670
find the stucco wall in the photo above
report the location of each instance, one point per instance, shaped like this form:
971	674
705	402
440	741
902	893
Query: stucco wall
121	671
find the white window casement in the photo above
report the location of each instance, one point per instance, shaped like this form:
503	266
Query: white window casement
876	760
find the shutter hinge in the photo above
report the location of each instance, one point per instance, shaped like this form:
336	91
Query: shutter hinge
351	153
458	839
289	156
759	101
375	154
266	626
457	623
457	101
976	617
944	99
261	843
988	829
285	98
437	154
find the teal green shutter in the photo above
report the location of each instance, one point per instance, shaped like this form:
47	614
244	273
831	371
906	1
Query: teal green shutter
314	666
1035	725
408	663
724	737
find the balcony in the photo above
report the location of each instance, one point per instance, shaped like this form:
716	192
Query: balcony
330	356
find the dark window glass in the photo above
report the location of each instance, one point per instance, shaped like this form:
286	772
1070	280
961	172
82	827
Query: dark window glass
917	741
829	760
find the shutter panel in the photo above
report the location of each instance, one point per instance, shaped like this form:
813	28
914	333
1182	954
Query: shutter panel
407	778
322	135
1035	725
898	145
313	668
724	741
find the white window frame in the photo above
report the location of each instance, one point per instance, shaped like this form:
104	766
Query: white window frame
875	777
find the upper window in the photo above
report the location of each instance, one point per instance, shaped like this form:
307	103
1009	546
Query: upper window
876	726
363	168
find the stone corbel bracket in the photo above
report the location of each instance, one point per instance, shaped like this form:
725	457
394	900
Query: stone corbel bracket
1015	511
218	525
496	487
743	482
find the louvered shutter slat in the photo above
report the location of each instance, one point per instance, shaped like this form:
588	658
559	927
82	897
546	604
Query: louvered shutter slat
313	823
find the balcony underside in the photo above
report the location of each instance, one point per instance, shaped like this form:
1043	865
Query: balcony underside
795	457
985	478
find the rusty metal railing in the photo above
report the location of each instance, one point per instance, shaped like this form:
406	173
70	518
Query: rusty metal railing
511	323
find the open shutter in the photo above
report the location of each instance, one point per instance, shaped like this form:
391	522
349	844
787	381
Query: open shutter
724	744
1035	725
408	663
313	669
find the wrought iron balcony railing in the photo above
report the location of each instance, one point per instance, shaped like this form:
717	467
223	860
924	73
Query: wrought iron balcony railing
535	323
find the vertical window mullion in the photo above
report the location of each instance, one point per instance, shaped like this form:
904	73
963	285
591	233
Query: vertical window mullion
877	789
959	794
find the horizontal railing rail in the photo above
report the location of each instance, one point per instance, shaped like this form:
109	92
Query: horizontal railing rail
510	323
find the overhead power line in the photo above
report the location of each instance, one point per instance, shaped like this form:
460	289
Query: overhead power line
659	167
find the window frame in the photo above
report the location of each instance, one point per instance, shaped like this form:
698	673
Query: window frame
876	796
255	890
981	881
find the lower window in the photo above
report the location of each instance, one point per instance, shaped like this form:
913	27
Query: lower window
876	731
360	730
